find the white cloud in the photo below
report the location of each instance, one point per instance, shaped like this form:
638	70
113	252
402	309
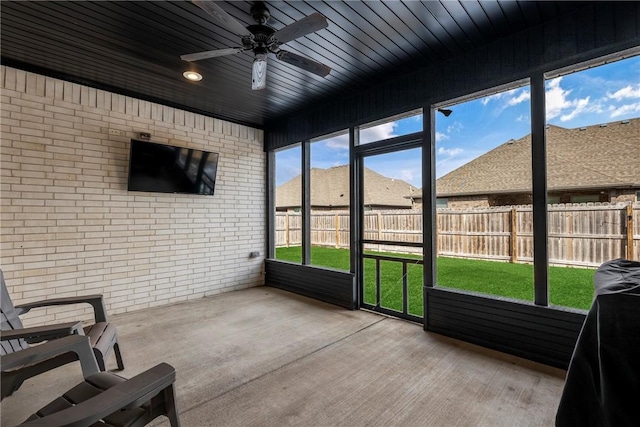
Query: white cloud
403	169
504	100
449	152
523	96
625	93
340	142
490	98
522	118
580	106
377	133
558	102
625	109
455	127
441	136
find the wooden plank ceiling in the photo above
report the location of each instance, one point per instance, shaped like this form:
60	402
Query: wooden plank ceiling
134	48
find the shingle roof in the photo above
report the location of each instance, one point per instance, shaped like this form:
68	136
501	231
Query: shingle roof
330	188
600	156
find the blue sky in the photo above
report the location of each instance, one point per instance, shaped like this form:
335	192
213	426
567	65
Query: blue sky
597	95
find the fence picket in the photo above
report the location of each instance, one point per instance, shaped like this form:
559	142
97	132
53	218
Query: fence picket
578	234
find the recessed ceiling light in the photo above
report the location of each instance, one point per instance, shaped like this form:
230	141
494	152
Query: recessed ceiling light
192	76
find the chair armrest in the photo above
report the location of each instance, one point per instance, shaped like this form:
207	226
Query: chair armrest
99	310
77	344
140	388
43	333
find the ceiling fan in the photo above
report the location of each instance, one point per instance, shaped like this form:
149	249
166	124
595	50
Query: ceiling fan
262	40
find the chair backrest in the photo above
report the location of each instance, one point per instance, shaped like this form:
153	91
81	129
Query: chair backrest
9	320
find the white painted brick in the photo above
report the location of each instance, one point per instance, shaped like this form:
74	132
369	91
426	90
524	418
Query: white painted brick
59	127
29	105
139	249
67	110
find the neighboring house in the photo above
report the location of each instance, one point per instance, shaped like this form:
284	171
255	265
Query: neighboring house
591	164
599	163
330	191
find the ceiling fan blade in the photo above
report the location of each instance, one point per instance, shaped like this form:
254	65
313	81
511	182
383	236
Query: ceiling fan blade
304	63
222	17
304	26
211	54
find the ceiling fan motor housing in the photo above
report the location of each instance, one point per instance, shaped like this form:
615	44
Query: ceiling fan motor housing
262	36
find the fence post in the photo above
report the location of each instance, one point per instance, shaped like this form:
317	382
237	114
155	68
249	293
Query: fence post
286	228
337	224
514	235
435	233
630	231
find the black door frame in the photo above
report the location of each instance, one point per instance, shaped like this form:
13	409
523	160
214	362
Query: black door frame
358	154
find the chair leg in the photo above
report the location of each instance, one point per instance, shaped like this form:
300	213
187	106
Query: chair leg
170	406
9	383
99	359
116	350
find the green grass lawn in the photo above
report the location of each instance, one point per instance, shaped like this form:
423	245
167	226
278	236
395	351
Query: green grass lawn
568	287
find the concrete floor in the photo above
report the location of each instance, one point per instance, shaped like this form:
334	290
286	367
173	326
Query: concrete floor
265	357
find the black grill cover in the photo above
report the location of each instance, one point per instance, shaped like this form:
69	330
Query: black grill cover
602	387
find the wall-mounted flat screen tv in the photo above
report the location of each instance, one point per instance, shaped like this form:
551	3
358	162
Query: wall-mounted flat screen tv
168	169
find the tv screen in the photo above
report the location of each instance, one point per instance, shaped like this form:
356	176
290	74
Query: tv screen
167	169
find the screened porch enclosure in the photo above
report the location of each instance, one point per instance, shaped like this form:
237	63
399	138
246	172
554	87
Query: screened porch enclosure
539	324
369	294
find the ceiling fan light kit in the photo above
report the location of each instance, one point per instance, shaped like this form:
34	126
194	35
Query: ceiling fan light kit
259	74
262	40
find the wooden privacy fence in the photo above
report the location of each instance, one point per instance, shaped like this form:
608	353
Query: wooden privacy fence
578	234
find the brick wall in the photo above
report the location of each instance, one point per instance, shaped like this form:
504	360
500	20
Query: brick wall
466	202
624	195
70	227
